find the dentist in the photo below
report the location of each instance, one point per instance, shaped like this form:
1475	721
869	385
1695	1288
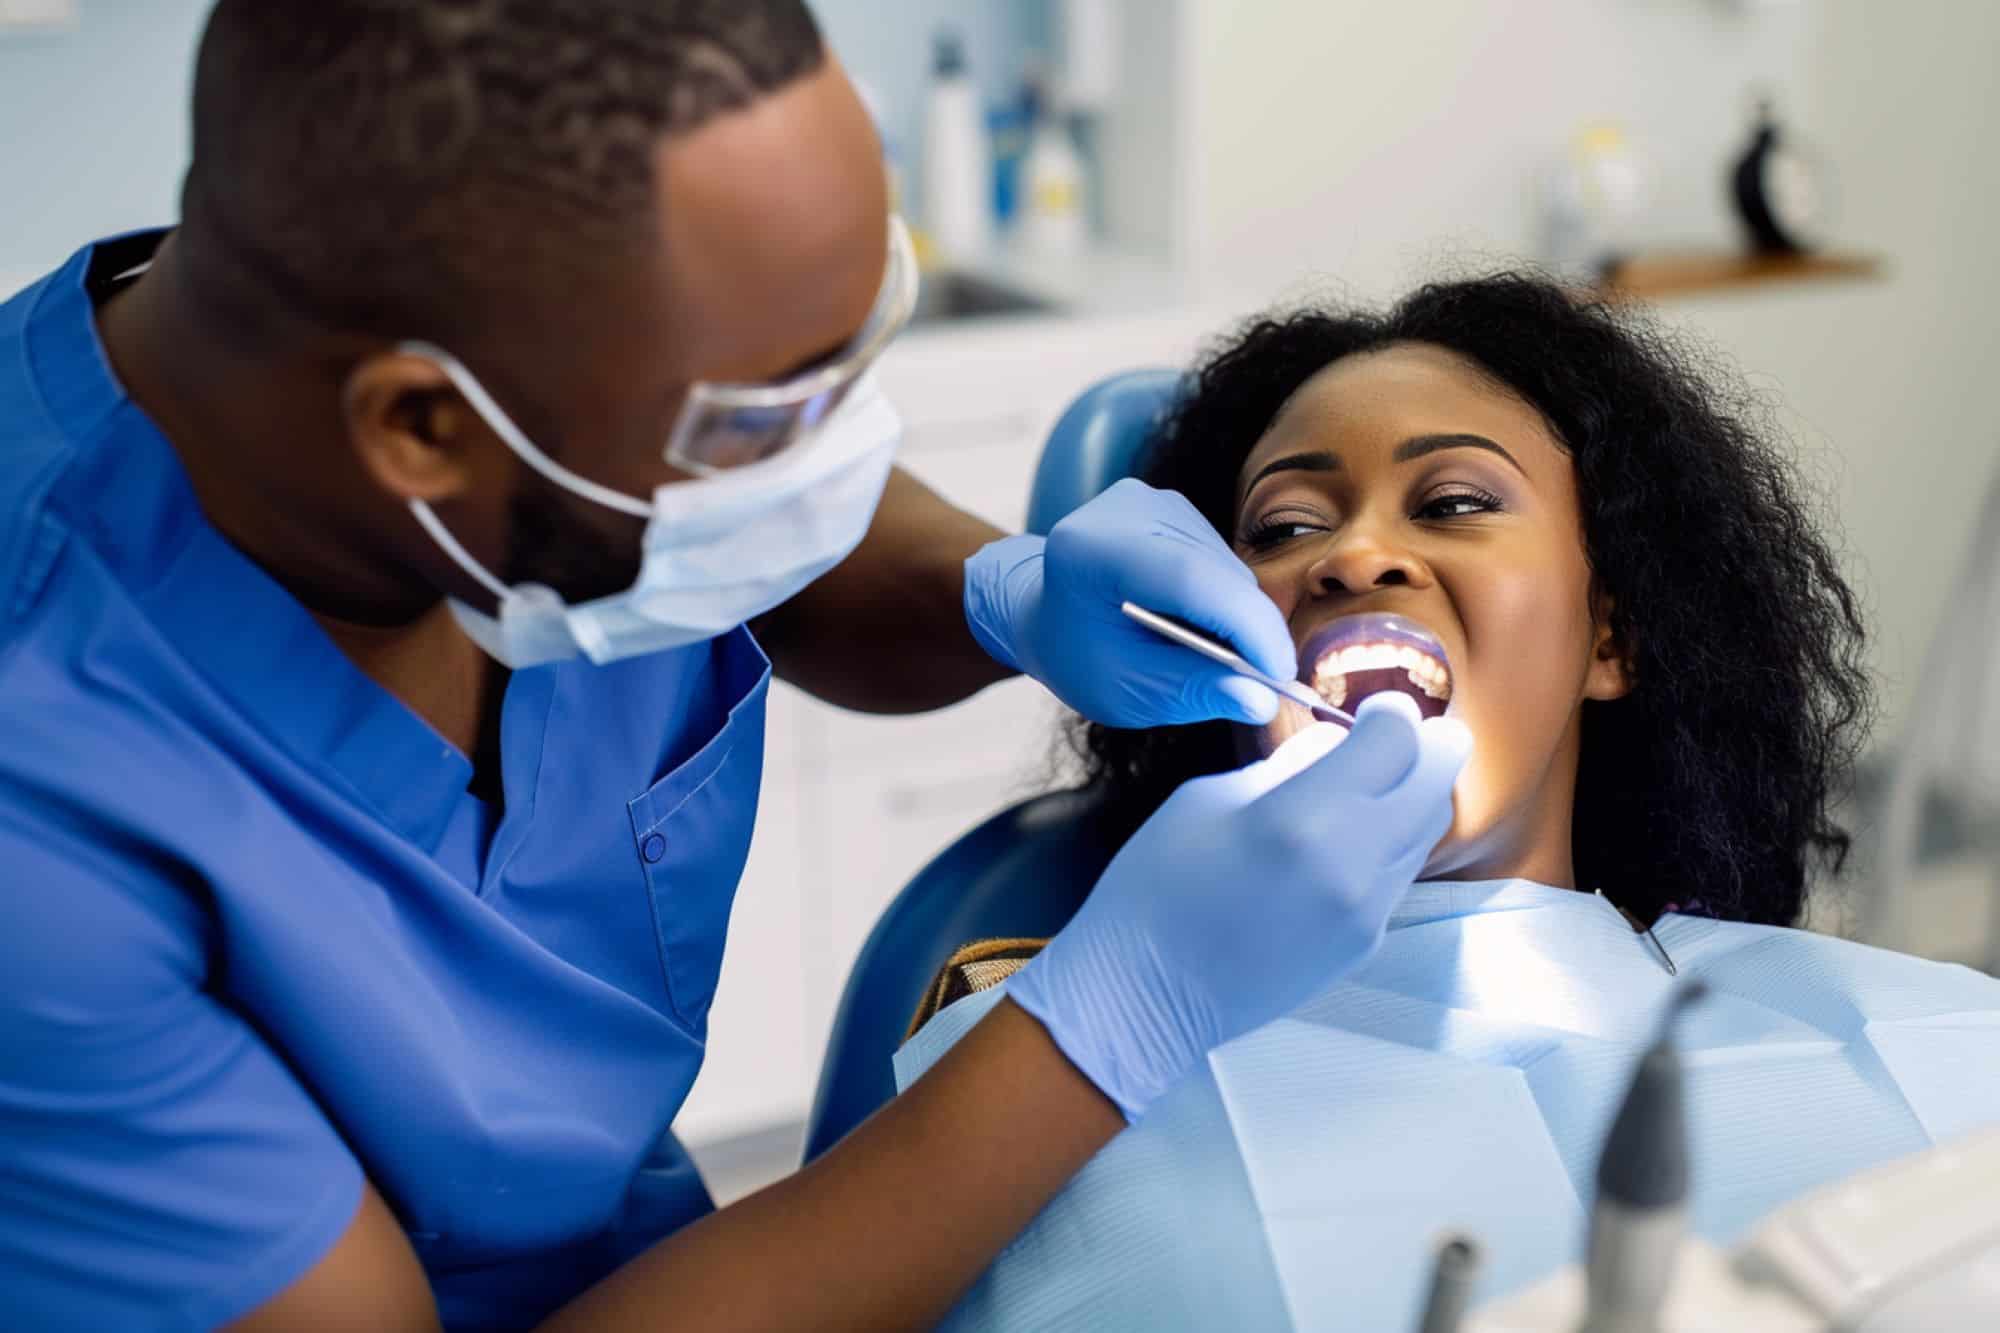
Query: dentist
381	715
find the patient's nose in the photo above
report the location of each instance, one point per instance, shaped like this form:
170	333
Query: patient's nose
1356	561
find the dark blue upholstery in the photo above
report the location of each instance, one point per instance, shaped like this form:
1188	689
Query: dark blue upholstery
1097	442
1021	873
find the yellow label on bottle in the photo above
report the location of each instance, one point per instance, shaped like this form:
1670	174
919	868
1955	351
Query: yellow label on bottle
1056	197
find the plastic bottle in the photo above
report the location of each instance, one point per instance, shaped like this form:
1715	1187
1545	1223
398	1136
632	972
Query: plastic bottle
1053	216
958	174
1594	203
1008	127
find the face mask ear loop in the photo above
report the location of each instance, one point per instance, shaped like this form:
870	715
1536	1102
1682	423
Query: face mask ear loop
442	536
516	439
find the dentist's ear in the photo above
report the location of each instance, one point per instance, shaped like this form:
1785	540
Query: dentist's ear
413	433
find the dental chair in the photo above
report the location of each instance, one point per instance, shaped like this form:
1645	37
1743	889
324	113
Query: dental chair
1022	873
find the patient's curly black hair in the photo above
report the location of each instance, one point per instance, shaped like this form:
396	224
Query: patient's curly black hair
1711	781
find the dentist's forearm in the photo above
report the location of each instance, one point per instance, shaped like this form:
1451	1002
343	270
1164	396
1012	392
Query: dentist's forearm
885	631
887	1229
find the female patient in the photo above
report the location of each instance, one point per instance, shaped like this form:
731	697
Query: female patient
1529	510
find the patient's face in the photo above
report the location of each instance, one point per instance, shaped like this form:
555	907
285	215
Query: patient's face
1405	481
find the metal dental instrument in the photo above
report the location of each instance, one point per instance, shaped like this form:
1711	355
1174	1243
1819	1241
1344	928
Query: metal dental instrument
1297	692
1666	960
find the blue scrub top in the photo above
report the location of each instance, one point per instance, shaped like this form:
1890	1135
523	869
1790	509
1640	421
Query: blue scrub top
258	942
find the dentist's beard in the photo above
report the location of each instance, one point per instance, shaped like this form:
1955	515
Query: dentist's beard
550	545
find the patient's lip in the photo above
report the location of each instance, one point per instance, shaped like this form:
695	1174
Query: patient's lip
1367	627
1374	628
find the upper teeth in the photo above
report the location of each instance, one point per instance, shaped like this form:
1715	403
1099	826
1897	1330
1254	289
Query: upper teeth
1330	675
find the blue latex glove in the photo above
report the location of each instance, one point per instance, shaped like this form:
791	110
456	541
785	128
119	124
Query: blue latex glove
1049	607
1243	896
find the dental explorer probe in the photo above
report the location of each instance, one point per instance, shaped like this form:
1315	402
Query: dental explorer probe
1640	1212
1666	959
1298	693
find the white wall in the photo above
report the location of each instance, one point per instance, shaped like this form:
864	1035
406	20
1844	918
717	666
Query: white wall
93	128
1366	140
1899	388
1359	147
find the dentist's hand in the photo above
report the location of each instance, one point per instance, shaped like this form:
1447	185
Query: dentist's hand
1244	895
1049	607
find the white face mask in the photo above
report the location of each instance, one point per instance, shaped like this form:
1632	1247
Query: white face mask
718	550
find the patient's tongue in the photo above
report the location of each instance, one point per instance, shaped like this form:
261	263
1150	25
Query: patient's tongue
1361	684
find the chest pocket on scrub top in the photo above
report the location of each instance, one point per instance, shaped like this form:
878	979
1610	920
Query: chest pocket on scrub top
691	830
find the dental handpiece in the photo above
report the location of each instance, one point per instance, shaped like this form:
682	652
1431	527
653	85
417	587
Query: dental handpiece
1640	1214
1452	1276
1299	693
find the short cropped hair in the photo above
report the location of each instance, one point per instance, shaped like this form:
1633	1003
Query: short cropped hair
394	166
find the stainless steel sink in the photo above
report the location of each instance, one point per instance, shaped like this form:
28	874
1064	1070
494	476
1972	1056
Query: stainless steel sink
951	294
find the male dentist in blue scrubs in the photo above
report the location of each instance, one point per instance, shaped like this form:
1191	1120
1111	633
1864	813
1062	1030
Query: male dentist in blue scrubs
381	720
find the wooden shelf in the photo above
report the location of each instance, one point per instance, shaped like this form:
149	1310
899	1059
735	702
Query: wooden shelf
1652	277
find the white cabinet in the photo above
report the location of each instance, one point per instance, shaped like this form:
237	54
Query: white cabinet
855	805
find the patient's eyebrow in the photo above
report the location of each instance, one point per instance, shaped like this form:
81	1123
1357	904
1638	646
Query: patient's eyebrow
1318	460
1430	444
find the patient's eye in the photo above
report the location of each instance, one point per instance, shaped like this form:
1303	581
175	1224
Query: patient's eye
1459	502
1277	528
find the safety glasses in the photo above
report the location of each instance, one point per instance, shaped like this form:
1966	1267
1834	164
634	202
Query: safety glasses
724	426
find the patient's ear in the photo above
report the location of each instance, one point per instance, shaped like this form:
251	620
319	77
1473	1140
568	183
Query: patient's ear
1610	676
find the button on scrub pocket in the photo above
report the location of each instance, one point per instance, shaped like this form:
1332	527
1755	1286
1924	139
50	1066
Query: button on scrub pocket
691	833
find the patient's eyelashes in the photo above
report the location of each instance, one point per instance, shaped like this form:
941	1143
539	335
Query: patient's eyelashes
1460	502
1280	526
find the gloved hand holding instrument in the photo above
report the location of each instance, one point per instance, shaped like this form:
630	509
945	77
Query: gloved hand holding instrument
1052	607
1245	893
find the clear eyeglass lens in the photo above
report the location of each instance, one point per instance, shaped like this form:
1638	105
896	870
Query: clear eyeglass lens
733	436
719	435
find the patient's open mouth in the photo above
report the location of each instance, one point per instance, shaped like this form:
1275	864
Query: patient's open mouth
1356	656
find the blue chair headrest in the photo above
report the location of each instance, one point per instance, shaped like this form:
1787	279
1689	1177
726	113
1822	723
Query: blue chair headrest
1021	874
1098	441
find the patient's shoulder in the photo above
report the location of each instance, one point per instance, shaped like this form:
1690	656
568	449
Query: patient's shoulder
1788	968
980	965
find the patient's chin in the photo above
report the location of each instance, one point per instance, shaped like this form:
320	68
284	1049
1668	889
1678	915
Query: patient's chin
1486	839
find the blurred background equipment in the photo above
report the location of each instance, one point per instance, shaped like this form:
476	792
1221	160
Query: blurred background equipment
1910	1246
1930	883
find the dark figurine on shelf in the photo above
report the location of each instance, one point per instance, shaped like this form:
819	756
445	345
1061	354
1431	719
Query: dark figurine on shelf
1782	192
